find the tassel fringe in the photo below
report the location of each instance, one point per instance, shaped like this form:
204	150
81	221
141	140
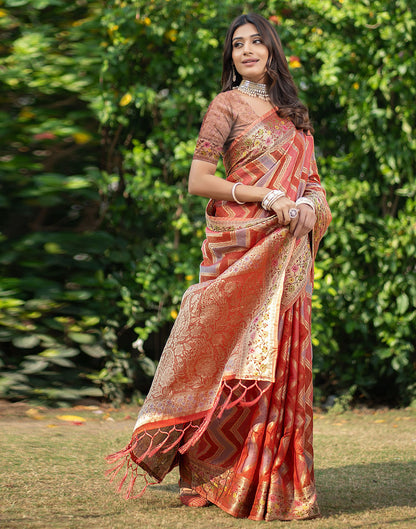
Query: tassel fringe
126	456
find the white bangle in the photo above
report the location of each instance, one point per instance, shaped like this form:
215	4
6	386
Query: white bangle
271	198
233	193
307	201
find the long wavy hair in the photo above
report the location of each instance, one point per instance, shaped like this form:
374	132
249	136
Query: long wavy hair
282	89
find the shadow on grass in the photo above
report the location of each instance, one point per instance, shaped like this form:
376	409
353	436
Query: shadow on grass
166	487
349	489
368	525
363	487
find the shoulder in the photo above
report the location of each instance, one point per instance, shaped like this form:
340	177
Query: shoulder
224	102
224	97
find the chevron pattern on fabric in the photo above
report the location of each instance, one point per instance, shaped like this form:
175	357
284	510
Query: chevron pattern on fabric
231	401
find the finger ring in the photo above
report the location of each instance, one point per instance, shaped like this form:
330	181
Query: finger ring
293	213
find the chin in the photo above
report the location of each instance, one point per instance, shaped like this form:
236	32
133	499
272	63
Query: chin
260	78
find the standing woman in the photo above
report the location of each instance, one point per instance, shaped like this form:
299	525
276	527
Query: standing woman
231	402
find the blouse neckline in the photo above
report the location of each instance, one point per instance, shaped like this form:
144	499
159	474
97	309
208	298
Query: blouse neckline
247	104
252	124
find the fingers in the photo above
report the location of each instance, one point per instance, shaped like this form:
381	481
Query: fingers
300	231
300	225
305	221
281	207
293	224
285	215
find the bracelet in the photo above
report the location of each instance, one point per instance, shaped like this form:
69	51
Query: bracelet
233	193
271	198
307	201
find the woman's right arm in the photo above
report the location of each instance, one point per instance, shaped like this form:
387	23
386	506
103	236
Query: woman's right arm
214	132
204	183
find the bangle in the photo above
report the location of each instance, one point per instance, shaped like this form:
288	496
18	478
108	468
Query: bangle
233	193
307	201
271	198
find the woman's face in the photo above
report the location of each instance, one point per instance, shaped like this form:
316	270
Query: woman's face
249	53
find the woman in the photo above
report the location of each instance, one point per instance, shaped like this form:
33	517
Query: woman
231	402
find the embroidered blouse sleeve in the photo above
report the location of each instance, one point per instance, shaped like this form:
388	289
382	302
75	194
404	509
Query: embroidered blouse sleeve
215	129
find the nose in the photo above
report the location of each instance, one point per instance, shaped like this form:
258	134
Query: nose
247	47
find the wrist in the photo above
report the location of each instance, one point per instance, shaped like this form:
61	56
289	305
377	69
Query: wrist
272	196
246	193
306	201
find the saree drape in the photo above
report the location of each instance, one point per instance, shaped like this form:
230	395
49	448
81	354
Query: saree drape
231	401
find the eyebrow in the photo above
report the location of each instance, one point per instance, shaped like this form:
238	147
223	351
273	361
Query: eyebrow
251	36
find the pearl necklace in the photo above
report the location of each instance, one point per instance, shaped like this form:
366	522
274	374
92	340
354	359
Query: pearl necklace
254	89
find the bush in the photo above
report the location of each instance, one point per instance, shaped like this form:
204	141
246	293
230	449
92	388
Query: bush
102	106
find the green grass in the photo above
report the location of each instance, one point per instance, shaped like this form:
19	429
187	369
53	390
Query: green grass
52	474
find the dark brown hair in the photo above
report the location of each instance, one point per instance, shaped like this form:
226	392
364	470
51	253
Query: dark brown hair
282	89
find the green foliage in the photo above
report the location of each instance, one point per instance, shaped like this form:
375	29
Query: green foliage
343	402
101	108
361	57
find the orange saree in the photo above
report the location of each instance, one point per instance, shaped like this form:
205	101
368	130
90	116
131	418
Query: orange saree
231	401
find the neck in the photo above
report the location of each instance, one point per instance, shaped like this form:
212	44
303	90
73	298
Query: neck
251	88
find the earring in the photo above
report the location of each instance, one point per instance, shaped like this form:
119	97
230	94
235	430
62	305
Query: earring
234	75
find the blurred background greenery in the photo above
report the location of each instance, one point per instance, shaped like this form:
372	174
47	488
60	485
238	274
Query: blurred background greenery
101	103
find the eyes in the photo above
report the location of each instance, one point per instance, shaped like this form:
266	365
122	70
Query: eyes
239	44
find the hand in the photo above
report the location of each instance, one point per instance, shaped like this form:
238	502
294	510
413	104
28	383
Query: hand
304	222
281	208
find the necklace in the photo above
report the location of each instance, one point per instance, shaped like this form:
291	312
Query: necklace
254	89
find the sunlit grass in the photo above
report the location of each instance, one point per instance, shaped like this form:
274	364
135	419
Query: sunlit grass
53	474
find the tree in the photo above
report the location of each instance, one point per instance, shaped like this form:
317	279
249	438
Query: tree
101	111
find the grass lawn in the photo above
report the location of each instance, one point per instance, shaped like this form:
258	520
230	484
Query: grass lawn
52	473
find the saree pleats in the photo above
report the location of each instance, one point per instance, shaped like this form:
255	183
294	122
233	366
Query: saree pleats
231	401
257	462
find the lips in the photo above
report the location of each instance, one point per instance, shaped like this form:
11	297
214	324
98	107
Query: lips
250	61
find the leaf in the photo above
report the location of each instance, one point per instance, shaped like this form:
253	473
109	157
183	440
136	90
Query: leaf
29	368
71	418
77	295
95	351
26	342
7	303
63	362
402	303
59	352
148	366
91	392
82	337
34	414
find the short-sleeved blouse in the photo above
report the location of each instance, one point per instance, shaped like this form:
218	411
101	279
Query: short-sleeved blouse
227	117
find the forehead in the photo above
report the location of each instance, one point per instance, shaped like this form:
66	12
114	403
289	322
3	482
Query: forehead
245	31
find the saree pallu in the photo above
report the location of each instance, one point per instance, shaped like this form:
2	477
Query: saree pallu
231	401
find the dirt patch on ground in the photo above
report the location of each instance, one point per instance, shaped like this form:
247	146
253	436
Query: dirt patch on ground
12	409
83	416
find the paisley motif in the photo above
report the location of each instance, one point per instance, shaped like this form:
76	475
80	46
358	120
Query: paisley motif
231	401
